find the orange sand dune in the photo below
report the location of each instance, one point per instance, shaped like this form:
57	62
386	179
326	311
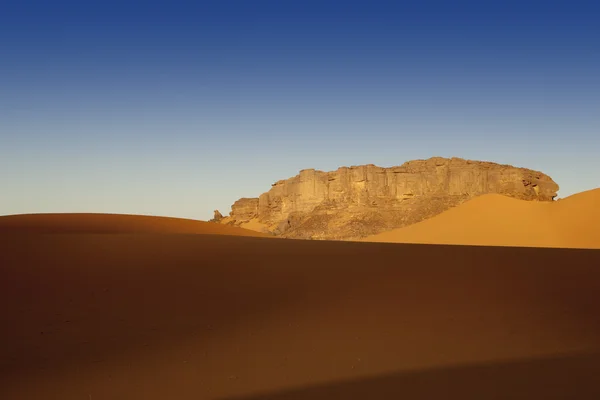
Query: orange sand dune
113	223
495	220
92	317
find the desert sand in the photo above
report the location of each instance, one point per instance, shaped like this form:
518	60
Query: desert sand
176	316
496	220
113	223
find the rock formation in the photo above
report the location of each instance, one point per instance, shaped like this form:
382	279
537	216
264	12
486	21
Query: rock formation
354	202
245	209
217	216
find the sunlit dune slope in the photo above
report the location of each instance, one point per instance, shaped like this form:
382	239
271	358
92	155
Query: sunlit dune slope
156	317
497	220
113	223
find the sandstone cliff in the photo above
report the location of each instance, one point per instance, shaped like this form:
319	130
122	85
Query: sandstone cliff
354	202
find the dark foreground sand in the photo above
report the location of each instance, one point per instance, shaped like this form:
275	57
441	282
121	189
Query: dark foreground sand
166	316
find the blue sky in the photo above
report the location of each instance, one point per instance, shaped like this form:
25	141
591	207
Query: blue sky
181	108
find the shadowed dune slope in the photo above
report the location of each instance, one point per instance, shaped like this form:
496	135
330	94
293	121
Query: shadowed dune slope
113	223
495	220
88	316
543	378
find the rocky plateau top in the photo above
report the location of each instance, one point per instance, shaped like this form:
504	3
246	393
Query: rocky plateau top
354	202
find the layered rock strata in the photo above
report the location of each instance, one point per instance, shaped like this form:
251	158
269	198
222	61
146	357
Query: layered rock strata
353	202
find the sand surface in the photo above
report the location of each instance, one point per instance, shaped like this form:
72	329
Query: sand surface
113	223
495	220
171	316
255	225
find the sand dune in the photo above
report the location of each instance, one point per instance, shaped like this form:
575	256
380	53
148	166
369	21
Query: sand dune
495	220
87	316
113	223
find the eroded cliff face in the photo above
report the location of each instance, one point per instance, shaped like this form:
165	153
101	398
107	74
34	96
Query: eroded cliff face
245	209
353	202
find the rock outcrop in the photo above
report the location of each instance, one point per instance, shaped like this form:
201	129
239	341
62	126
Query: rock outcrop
354	202
218	217
245	209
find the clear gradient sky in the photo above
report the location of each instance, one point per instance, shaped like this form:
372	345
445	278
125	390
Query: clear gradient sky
178	109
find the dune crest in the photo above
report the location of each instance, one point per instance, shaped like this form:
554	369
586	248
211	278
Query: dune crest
114	223
496	220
